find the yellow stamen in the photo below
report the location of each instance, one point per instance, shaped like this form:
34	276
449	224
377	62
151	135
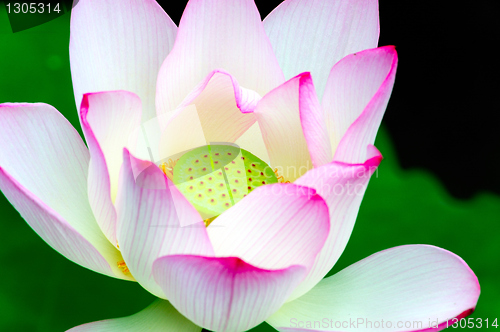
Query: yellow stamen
122	265
280	178
168	168
209	221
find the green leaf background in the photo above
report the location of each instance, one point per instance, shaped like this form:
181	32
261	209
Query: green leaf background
42	291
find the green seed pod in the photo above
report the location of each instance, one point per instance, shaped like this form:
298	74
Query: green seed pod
215	177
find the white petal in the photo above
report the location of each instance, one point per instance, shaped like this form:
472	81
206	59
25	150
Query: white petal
356	96
407	287
217	110
274	227
217	34
224	294
154	219
44	164
312	35
97	254
293	127
108	121
119	45
253	141
342	186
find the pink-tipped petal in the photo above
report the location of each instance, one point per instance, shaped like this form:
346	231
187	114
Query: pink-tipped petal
224	294
355	99
154	219
342	186
119	45
274	227
207	95
313	123
45	165
160	316
293	127
312	35
109	120
218	107
217	34
408	288
94	252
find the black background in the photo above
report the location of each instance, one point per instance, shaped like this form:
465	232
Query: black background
443	114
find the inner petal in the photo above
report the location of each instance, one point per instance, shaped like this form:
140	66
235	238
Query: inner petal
217	176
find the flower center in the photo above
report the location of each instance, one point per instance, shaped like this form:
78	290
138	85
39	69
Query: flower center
215	177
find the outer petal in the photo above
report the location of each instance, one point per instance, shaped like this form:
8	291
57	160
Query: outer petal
313	35
414	285
293	127
224	294
58	233
342	186
355	99
217	34
154	219
44	166
313	123
218	106
160	316
274	227
108	121
119	45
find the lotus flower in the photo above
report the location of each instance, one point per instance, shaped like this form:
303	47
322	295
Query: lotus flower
119	209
